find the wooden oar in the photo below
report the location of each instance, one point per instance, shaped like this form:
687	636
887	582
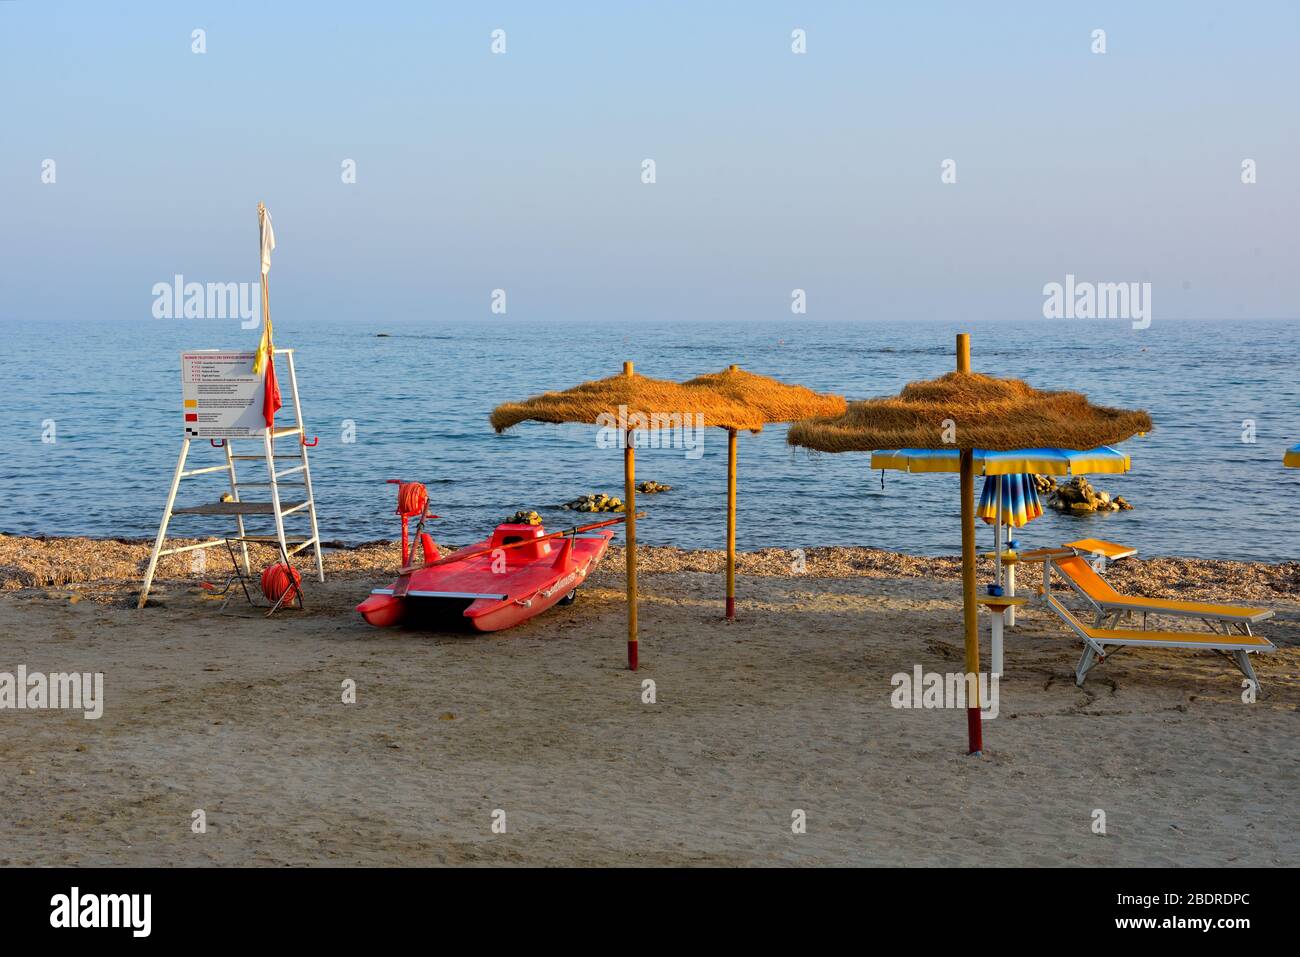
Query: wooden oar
527	541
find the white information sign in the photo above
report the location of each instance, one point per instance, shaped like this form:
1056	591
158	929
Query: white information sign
222	397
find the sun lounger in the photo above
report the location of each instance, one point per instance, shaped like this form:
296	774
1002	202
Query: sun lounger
1098	546
1238	647
1110	605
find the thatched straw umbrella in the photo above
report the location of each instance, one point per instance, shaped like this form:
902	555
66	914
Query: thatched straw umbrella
775	402
1021	429
625	404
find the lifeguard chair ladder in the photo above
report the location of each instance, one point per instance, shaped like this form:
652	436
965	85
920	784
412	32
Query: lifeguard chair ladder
237	508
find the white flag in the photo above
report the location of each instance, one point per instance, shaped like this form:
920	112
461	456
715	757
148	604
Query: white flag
268	241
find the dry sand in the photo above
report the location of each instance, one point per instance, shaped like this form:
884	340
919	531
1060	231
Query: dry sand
786	709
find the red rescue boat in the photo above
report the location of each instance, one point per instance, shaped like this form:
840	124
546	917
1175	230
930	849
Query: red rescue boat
517	573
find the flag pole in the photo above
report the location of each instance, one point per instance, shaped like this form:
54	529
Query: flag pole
264	273
264	361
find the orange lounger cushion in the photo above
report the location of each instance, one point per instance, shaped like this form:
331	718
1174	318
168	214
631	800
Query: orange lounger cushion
1111	550
1099	590
1083	575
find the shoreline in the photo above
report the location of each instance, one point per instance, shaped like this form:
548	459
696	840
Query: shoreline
60	562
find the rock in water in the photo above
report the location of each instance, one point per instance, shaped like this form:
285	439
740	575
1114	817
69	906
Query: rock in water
594	503
1078	497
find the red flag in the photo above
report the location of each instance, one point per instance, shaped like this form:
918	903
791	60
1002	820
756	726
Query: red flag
270	394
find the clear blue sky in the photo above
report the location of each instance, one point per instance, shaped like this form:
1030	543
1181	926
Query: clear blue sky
775	171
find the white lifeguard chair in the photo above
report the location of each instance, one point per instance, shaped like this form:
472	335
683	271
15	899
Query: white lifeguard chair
222	406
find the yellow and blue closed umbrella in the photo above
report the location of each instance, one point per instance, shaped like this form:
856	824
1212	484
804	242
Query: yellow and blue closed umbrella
1019	503
1012	501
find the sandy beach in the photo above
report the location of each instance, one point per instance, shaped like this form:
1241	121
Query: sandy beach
786	710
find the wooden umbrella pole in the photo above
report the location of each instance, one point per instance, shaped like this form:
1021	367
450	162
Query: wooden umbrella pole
731	523
629	506
974	731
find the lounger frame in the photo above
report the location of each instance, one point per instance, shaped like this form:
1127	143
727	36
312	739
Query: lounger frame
1097	638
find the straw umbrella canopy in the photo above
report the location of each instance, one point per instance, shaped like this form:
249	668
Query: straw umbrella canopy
1011	426
626	404
775	401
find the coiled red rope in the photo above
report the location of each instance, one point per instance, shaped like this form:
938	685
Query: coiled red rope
412	499
276	582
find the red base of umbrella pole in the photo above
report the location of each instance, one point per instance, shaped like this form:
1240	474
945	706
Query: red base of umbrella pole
974	730
731	608
631	655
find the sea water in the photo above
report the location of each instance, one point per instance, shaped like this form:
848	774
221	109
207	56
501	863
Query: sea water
91	426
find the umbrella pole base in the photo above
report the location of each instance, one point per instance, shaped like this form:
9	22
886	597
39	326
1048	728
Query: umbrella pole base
731	608
631	655
974	732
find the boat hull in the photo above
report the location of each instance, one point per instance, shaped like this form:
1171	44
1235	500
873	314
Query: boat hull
382	611
490	592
